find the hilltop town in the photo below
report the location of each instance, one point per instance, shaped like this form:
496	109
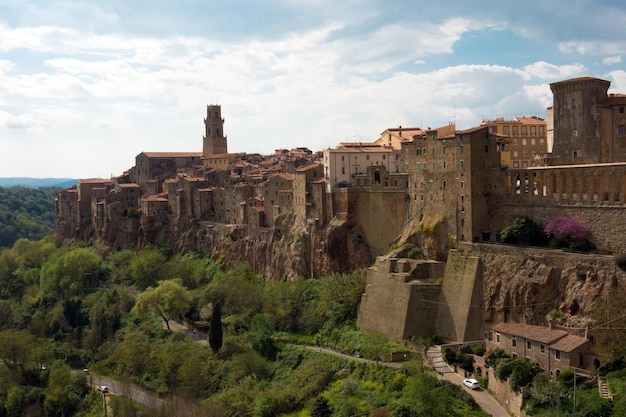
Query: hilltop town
434	187
441	193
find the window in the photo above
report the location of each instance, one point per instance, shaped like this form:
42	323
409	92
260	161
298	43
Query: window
541	142
529	345
462	197
461	149
524	154
513	341
542	130
463	225
462	185
621	109
524	142
515	131
430	186
433	151
573	103
434	166
542	348
621	129
487	148
444	164
574	133
462	164
533	141
557	355
443	184
418	152
515	154
443	150
524	131
419	167
514	141
533	130
497	337
506	130
368	157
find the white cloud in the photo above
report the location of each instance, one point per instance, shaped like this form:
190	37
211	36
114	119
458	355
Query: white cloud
11	121
545	70
612	60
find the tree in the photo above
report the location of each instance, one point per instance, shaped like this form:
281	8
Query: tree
523	231
66	276
321	408
147	268
567	232
216	334
169	300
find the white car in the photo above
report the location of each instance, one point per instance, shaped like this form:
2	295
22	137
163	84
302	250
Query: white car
471	383
103	389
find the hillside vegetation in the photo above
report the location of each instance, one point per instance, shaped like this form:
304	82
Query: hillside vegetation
26	213
73	308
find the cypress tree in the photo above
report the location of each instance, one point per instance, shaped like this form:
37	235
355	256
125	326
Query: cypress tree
215	331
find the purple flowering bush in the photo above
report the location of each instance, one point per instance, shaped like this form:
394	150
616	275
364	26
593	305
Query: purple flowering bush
566	232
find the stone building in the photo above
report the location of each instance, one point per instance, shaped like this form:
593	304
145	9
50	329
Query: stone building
589	124
553	350
309	201
277	196
527	144
160	166
451	178
214	141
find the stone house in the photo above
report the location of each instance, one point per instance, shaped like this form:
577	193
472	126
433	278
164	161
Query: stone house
553	350
309	203
273	191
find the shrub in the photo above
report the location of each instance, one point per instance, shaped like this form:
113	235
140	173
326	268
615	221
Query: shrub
523	231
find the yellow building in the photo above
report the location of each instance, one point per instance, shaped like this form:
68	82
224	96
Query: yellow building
527	140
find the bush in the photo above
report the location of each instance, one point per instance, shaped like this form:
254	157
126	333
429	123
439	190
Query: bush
523	231
568	233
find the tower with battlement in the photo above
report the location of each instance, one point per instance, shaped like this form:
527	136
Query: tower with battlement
214	141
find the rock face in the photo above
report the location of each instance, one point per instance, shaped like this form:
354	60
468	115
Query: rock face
526	284
285	251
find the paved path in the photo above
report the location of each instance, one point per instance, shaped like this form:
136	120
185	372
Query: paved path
482	397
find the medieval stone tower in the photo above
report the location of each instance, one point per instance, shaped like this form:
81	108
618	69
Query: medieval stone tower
577	110
214	141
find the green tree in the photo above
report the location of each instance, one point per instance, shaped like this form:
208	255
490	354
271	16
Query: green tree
321	408
169	300
66	276
148	268
65	391
340	297
522	231
216	333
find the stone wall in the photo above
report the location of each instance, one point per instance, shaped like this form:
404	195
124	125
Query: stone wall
380	214
459	315
606	222
395	303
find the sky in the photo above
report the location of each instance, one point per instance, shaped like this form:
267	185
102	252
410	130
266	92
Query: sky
85	86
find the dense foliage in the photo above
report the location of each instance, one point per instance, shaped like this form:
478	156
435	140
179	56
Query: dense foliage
119	314
25	213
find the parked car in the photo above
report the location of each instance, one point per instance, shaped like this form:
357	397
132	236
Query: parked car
103	389
471	383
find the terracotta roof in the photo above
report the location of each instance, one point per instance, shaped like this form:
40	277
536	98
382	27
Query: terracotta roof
172	154
94	181
569	343
130	185
308	167
579	79
155	198
527	331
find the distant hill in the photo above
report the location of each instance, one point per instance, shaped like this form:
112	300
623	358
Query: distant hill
26	212
38	182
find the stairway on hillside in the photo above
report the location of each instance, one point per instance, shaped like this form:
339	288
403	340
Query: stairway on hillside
603	388
433	354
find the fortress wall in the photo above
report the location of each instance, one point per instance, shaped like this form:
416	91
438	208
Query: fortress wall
384	305
397	308
459	314
606	222
380	214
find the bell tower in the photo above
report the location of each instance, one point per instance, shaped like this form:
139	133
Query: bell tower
214	141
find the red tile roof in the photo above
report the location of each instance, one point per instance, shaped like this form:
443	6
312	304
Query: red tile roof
527	331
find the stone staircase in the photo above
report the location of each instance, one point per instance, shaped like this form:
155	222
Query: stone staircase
433	354
603	388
